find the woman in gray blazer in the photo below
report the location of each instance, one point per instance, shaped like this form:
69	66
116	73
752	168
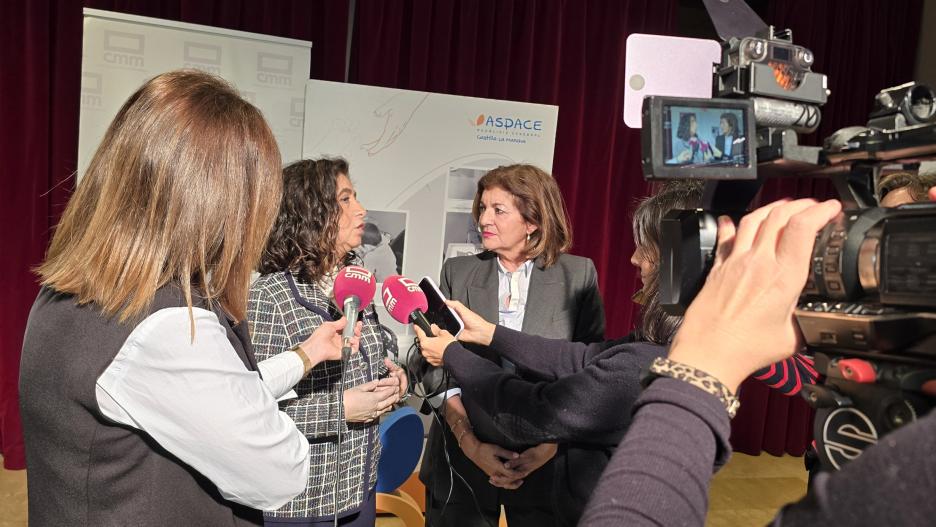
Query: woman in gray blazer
524	281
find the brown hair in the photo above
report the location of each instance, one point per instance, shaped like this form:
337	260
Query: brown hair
655	324
303	237
917	185
183	188
539	202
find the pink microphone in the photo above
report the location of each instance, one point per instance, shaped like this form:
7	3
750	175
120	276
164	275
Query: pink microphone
406	302
354	289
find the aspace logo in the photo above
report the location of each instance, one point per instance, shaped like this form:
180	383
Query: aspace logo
508	123
506	129
124	49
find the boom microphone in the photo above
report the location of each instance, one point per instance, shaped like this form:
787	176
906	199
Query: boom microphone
354	289
406	302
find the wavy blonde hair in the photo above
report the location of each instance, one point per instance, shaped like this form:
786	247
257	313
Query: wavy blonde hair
183	188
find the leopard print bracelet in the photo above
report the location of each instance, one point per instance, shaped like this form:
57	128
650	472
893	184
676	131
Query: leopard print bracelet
662	367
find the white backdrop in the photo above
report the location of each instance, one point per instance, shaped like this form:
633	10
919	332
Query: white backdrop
415	158
120	52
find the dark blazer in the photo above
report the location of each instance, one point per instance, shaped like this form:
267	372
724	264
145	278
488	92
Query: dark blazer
563	302
83	468
584	402
731	150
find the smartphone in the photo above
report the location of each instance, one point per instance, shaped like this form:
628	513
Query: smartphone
439	313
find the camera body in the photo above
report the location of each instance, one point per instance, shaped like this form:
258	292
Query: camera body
868	311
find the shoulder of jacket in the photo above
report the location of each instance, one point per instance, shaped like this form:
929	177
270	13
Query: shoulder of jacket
464	263
574	263
269	283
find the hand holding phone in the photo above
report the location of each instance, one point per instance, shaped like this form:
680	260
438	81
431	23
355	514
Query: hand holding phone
439	313
475	330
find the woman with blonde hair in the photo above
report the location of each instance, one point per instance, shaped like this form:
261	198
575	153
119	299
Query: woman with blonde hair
141	399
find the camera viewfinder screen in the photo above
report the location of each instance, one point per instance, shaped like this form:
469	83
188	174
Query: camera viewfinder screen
697	136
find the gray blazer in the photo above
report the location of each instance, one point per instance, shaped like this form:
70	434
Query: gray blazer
563	302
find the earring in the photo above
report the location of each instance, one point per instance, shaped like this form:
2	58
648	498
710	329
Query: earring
528	238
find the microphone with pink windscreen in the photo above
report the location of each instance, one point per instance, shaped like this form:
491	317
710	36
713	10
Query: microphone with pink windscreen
354	289
406	302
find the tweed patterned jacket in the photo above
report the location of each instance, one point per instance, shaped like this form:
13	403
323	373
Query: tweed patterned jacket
282	315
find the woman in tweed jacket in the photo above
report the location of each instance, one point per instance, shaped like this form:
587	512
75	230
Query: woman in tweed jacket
319	223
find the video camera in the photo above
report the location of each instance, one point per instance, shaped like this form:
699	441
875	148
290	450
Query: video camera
868	312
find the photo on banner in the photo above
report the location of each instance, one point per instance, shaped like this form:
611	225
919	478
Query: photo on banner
383	243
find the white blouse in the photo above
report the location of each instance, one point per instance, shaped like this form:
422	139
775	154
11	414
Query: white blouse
199	402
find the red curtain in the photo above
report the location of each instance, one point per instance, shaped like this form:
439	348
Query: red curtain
40	57
572	55
862	46
556	52
569	54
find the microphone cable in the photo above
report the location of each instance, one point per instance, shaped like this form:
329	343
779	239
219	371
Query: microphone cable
345	357
414	376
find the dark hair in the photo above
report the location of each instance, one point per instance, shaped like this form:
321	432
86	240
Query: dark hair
304	234
916	184
539	201
655	325
371	235
683	131
732	121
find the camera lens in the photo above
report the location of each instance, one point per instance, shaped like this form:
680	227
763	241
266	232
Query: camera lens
755	49
804	57
869	263
921	104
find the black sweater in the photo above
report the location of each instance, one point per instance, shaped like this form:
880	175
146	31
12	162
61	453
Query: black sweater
584	402
660	473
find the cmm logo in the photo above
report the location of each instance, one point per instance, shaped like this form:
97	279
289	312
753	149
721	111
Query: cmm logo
296	111
358	273
204	57
91	90
389	301
410	285
124	49
274	70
